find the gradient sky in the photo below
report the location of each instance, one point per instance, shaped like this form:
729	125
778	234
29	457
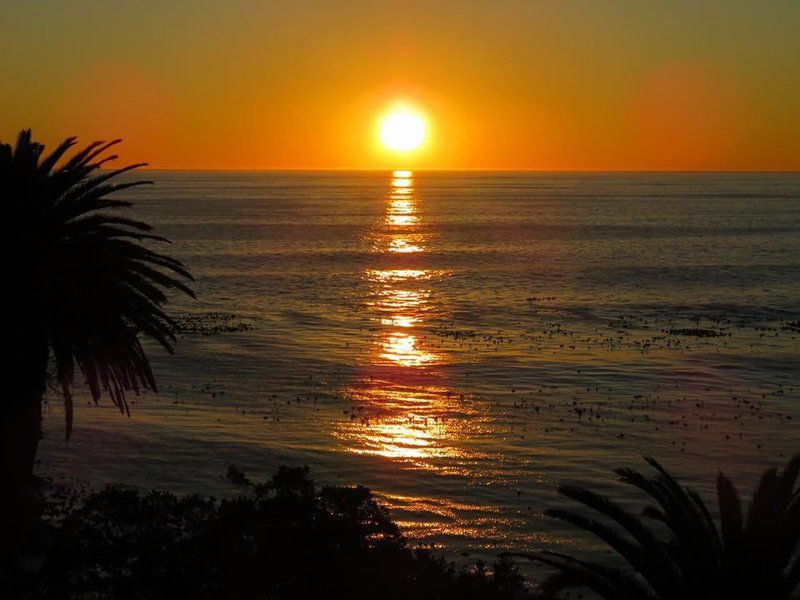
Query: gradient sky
525	84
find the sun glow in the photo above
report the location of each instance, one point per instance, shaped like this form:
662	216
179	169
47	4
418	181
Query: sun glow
402	129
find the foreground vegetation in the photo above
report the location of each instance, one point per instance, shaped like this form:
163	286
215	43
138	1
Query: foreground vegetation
674	549
286	538
281	539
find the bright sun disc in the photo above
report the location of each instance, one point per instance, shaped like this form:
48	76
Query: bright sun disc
401	130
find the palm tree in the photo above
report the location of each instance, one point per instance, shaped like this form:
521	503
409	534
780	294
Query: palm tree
82	288
752	556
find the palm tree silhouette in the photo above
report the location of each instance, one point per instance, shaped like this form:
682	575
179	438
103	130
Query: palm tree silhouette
747	557
82	288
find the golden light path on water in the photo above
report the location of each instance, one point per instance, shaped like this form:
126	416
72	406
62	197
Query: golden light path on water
402	400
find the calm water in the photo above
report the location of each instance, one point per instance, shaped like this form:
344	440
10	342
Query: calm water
463	343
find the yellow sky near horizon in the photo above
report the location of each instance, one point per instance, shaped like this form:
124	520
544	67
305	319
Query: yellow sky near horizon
543	85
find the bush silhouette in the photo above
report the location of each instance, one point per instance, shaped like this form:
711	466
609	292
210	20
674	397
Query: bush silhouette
281	539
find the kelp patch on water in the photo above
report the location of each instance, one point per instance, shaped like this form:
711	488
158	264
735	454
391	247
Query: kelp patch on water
212	323
792	326
696	332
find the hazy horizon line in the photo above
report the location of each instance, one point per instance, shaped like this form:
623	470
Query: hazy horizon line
500	170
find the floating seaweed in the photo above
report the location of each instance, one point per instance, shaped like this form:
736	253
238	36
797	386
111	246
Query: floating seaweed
792	326
696	332
212	323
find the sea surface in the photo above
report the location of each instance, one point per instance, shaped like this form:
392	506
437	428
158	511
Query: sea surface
463	343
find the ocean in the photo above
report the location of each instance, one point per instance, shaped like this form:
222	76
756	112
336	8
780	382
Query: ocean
463	343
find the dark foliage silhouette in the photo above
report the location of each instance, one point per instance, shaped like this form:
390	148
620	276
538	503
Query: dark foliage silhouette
674	548
281	539
83	287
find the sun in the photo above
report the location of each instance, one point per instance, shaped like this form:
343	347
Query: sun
402	129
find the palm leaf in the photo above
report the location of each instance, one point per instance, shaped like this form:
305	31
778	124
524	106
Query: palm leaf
571	572
98	287
753	559
730	509
648	558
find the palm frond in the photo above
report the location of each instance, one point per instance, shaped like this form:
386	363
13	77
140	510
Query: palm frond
730	510
46	165
753	558
648	557
792	581
605	581
99	286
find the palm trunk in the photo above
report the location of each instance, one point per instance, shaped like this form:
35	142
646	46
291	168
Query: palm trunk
21	429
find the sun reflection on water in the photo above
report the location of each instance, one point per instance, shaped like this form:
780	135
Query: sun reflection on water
402	184
403	349
406	426
401	211
402	405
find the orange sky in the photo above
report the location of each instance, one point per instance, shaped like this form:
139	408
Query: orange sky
583	85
